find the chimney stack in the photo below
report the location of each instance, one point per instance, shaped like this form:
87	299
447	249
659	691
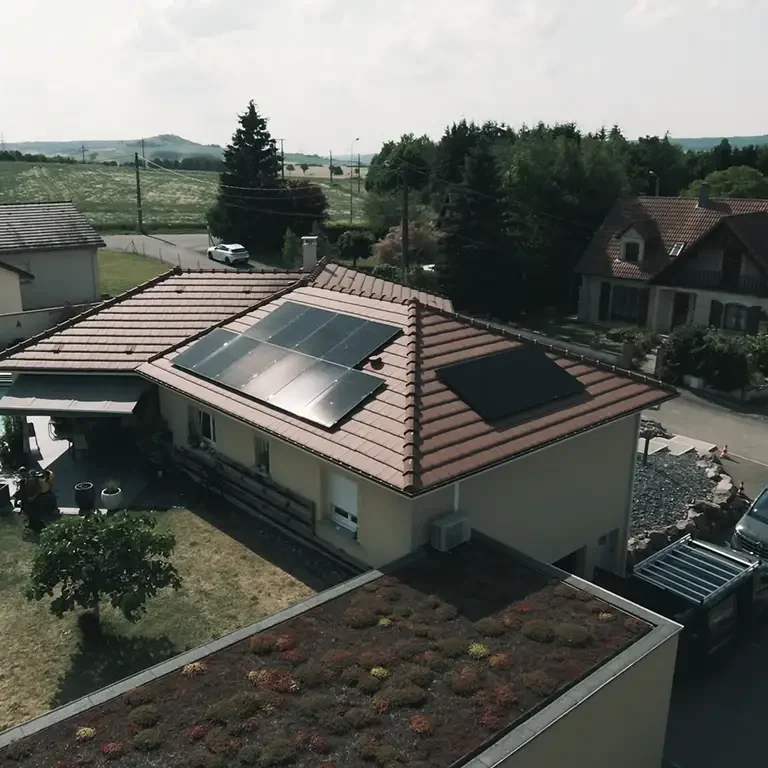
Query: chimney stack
309	253
703	196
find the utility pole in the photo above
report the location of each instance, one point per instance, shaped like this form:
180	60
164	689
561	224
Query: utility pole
330	168
2	142
351	200
405	227
658	180
139	217
82	149
282	161
143	154
358	173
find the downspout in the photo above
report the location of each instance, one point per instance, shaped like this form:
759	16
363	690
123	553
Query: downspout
456	496
622	544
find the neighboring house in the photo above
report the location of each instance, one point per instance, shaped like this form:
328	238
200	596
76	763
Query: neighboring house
663	262
55	243
366	467
11	280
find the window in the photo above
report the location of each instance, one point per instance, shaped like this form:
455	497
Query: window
735	318
261	454
207	425
343	503
625	303
631	250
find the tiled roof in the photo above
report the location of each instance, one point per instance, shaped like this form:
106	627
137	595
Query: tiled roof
121	334
679	220
17	270
340	278
416	434
44	226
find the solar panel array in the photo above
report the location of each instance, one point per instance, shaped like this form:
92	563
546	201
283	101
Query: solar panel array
507	383
299	359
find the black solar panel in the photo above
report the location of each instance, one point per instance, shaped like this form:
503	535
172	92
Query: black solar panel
299	359
508	383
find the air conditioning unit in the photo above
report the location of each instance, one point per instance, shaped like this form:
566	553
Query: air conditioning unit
449	531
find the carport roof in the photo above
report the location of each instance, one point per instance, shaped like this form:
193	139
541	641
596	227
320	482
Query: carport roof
41	394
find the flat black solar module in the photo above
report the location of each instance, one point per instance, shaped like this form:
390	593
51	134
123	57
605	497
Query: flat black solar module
299	359
508	383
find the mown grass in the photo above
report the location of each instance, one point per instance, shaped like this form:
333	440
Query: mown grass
43	662
170	201
119	271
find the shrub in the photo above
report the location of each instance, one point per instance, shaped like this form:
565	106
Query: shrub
337	660
381	673
492	718
18	750
112	750
384	622
238	707
371	659
523	606
145	716
294	656
314	704
85	734
538	630
390	594
380	704
409	649
249	754
445	612
490	627
334	723
368	684
464	682
422	724
500	661
284	643
389	581
505	695
197	732
194	669
359	718
452	647
573	635
138	696
278	752
147	740
478	650
402	611
425	630
606	616
262	644
319	744
221	744
539	682
360	618
511	622
313	674
418	675
433	601
350	676
406	696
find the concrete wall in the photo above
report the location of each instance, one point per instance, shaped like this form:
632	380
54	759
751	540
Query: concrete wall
623	723
61	277
553	502
10	292
18	326
589	298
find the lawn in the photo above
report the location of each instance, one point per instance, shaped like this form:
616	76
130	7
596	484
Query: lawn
576	331
174	201
42	662
420	668
119	271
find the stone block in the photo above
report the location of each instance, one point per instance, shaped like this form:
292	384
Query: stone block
685	526
658	540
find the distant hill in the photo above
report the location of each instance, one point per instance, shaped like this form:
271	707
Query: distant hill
166	145
709	143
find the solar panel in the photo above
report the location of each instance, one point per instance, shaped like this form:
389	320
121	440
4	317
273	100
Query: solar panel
299	359
508	383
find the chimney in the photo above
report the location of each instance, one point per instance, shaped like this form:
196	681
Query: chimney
703	196
309	253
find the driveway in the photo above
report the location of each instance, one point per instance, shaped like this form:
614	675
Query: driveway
186	251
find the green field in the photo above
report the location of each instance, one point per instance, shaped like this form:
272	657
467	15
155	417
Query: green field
107	195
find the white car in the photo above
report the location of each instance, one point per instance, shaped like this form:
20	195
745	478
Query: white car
232	253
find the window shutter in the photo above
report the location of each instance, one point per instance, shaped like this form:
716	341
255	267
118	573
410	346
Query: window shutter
715	314
605	301
642	309
753	319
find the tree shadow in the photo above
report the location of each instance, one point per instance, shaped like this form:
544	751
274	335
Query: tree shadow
102	660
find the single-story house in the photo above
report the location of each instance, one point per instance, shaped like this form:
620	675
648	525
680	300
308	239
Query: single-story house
355	411
663	262
11	280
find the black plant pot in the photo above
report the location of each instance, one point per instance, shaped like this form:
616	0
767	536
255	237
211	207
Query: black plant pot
85	497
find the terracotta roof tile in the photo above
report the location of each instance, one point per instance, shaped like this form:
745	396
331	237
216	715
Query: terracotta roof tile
677	220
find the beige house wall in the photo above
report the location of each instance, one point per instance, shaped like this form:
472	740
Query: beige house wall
10	292
589	298
553	502
623	723
61	277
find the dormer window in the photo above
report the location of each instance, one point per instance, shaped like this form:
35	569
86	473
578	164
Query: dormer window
632	250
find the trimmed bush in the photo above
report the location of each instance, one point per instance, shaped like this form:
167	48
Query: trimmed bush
360	618
194	669
368	684
262	644
446	612
112	750
539	682
464	682
359	718
350	676
221	744
422	724
147	740
284	643
138	696
452	647
145	716
85	734
371	659
249	754
406	696
538	630
197	733
500	661
490	627
418	675
294	656
314	704
380	673
279	752
338	659
17	751
206	760
573	635
478	651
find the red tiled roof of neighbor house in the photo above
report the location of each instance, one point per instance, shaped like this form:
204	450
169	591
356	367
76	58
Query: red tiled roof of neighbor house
45	226
416	434
340	278
674	219
121	334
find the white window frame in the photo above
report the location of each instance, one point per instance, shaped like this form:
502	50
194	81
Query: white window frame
261	448
640	249
342	503
201	415
729	312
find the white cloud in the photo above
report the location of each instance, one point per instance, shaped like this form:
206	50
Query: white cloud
650	12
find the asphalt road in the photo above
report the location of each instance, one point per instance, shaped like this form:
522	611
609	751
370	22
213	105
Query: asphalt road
186	251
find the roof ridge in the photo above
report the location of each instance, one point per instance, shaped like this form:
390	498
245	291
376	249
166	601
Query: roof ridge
302	282
412	389
508	333
88	312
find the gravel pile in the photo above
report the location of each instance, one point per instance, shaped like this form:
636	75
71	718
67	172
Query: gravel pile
664	488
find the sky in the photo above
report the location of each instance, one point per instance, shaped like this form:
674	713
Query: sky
326	72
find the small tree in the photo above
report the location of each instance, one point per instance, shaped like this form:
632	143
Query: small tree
337	170
290	167
304	167
648	430
291	249
355	244
85	560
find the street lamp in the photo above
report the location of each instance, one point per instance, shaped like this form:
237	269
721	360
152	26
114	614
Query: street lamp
351	201
655	175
